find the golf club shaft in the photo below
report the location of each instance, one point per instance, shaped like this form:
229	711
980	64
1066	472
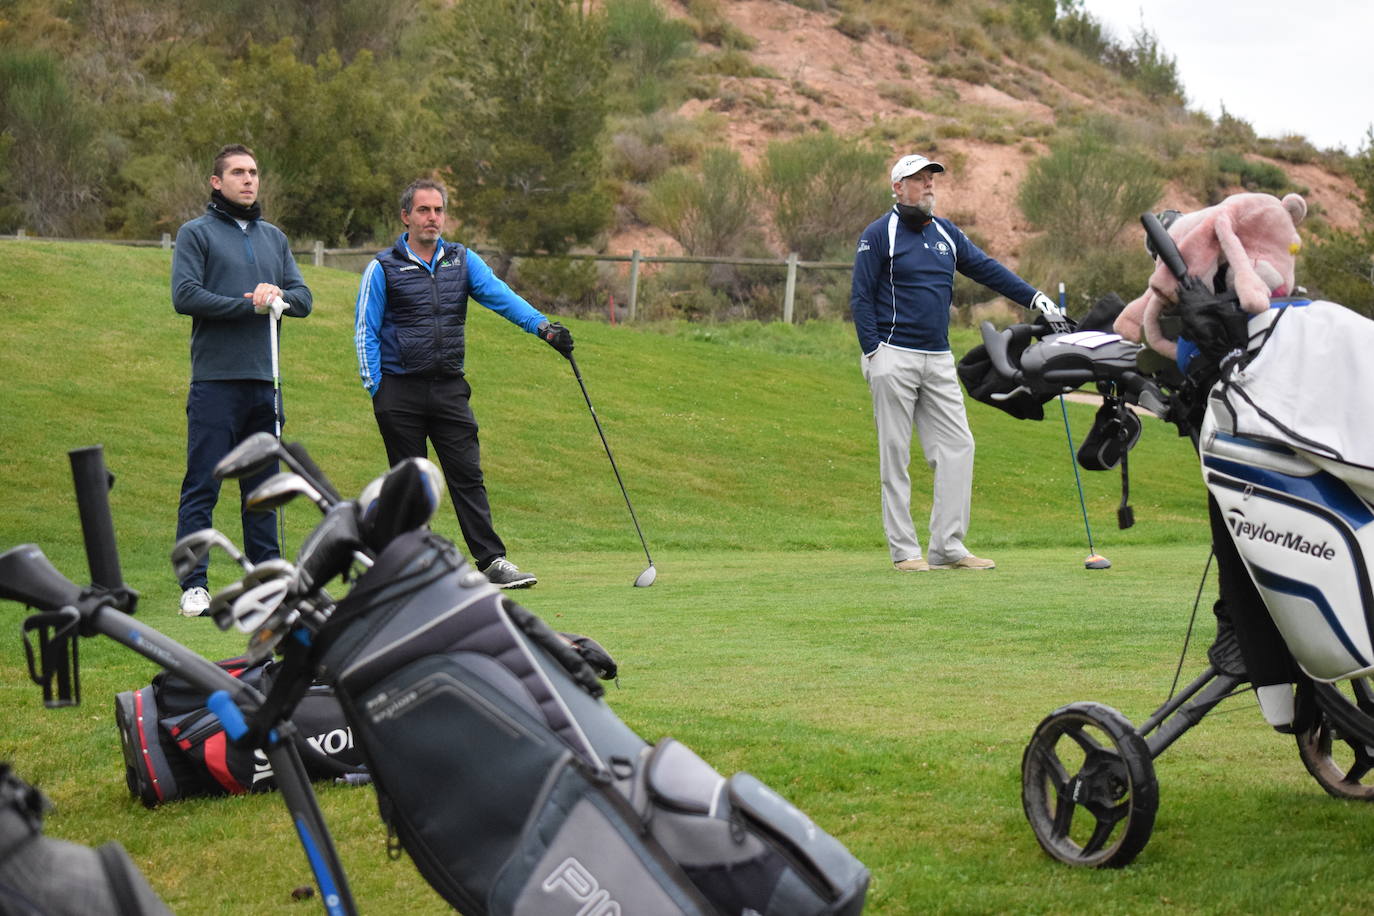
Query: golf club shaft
602	434
1068	437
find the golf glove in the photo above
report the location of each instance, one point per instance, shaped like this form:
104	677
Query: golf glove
1058	321
557	336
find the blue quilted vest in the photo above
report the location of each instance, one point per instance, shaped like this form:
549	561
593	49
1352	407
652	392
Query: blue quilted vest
423	329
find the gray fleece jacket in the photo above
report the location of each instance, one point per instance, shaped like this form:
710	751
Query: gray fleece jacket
214	264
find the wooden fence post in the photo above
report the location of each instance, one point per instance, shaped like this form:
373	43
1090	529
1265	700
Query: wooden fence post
634	283
318	259
166	241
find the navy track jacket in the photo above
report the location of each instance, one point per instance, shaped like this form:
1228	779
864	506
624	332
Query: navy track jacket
904	282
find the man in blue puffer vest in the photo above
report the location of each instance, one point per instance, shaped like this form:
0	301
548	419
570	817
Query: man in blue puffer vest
903	287
410	333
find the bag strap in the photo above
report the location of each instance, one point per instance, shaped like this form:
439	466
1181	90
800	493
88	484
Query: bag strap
114	861
541	635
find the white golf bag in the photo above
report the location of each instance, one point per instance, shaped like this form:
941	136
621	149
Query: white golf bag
1287	451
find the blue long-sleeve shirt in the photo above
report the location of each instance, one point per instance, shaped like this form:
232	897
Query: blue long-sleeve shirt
903	282
371	339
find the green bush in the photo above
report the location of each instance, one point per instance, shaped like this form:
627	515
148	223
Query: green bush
1340	267
824	189
1086	191
710	211
54	157
1251	175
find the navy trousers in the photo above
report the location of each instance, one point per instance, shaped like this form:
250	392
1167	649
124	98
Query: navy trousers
410	409
220	415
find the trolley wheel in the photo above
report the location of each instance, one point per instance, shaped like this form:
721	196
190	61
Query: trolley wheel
1088	786
1338	748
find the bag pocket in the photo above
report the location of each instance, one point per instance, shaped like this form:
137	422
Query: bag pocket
743	845
493	808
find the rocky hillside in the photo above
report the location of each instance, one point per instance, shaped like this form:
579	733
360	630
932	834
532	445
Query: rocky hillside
986	124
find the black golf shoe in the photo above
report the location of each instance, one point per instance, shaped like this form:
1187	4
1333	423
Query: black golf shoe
502	573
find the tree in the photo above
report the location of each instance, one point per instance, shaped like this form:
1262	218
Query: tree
51	140
521	95
825	188
336	142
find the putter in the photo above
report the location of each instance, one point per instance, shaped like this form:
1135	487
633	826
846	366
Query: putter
646	578
1094	560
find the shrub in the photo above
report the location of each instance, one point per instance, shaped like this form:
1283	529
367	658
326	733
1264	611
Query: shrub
1086	191
1252	175
1340	267
709	211
824	189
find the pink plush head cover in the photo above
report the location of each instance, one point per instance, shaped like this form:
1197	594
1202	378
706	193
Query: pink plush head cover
1252	237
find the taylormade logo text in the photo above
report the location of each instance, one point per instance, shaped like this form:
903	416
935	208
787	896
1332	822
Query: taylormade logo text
1289	540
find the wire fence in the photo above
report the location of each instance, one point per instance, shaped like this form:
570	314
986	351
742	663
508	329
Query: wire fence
355	259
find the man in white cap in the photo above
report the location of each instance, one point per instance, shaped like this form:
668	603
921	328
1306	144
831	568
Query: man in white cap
902	290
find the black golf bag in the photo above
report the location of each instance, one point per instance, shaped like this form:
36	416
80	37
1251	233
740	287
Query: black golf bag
174	747
516	790
44	876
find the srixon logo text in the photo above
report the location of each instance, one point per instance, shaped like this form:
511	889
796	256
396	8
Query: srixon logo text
1242	528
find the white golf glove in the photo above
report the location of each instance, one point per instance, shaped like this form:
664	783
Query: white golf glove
276	307
1059	322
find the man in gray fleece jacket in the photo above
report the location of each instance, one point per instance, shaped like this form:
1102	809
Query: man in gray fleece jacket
233	273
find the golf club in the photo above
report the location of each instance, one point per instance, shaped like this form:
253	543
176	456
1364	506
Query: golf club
1094	560
260	450
252	608
274	312
194	547
646	578
280	489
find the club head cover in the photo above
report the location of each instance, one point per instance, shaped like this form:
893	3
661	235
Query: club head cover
1115	431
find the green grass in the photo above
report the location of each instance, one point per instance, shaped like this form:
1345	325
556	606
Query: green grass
893	708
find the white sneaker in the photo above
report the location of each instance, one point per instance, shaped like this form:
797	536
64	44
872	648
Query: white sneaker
194	601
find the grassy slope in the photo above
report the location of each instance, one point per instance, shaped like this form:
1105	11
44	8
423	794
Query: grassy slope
892	708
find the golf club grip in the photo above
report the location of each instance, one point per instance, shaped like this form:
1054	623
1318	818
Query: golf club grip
93	482
1164	244
312	470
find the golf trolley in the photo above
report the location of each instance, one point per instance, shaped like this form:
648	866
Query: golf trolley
1300	520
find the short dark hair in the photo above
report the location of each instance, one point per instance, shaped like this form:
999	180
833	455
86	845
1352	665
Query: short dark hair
422	184
233	149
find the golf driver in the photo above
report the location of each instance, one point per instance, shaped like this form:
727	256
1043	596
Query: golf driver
646	578
1094	560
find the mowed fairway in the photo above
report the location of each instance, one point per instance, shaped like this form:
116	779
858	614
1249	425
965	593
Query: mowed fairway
893	708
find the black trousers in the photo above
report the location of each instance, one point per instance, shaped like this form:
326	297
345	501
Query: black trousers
410	409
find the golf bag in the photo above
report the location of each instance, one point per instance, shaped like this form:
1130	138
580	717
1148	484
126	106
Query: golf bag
516	790
174	747
43	876
1293	477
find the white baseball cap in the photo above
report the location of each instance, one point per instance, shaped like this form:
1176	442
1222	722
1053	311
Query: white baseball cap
910	165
